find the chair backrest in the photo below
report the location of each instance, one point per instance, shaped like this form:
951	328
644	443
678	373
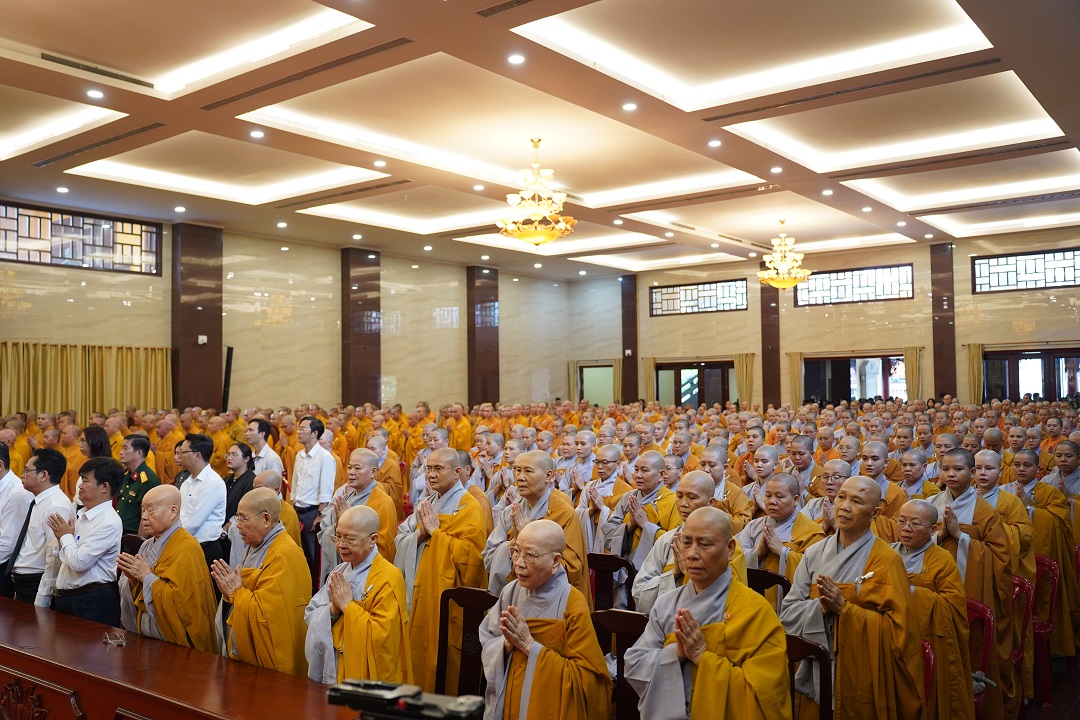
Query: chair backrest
761	580
1046	571
473	602
1076	562
978	612
604	566
1025	593
626	627
928	670
799	650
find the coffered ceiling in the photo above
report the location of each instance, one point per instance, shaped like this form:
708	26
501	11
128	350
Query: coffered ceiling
683	131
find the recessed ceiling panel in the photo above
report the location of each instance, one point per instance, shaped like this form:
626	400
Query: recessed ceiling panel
1011	218
423	210
696	54
962	116
587	237
29	120
202	164
670	256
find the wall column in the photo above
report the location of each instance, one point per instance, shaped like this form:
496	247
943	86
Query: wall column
770	347
361	327
941	285
628	290
197	354
482	321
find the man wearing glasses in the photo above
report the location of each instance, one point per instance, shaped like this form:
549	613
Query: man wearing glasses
14	505
203	510
35	542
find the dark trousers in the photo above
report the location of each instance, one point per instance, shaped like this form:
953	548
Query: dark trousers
26	587
101	605
212	551
308	542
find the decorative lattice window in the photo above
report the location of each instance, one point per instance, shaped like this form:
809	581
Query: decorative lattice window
487	314
699	298
57	237
1026	271
892	282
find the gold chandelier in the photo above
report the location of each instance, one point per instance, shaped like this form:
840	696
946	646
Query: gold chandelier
783	266
536	211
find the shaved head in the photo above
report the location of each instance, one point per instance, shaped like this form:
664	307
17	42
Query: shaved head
358	520
268	479
546	534
700	481
925	511
867	485
262	500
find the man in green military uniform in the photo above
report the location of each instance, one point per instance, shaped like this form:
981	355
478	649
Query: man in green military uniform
137	481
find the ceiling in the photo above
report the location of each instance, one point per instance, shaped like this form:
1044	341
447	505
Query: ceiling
683	131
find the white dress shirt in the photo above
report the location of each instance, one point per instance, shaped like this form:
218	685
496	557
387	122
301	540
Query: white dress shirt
14	502
40	540
267	459
202	512
313	476
89	555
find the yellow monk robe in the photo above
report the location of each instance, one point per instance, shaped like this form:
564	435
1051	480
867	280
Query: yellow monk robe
562	512
414	443
287	449
894	470
543	422
988	580
741	463
340	476
804	533
569	679
166	456
894	499
1048	444
485	507
183	596
451	558
372	636
352	437
396	441
495	425
222	443
75	460
662	512
461	433
1021	533
116	441
941	606
823	456
340	448
389	478
1046	464
266	625
291	521
735	503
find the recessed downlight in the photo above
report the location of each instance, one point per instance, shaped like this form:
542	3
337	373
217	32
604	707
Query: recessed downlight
582	272
427	248
95	94
669	234
929	236
477	187
357	236
826	192
179	209
284	248
379	163
715	143
753	254
515	59
537	265
867	209
283	224
901	224
629	107
61	190
485	257
257	134
617	222
776	170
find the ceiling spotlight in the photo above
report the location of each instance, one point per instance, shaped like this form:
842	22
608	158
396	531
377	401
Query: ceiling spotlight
669	234
655	283
617	222
485	257
515	279
96	94
179	208
867	209
283	224
715	245
826	192
370	257
477	188
929	236
485	271
752	254
427	248
555	285
582	272
379	163
284	248
901	224
61	189
537	265
715	143
515	59
415	267
257	134
776	170
629	107
358	236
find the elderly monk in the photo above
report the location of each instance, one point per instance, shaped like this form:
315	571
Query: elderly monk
851	596
272	479
937	592
971	530
361	489
640	517
165	591
663	569
822	509
713	648
388	475
534	479
873	457
600	496
439	547
728	495
778	540
914	484
261	614
358	621
540	654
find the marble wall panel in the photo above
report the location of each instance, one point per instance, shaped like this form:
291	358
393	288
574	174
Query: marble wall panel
595	327
535	321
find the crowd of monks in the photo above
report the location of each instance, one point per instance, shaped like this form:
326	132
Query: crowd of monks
890	520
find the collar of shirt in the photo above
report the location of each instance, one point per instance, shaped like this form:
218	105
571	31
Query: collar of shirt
94	512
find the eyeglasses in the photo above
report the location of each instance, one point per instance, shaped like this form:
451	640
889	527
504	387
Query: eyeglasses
530	557
27	471
234	455
118	640
346	539
185	452
911	524
245	518
836	476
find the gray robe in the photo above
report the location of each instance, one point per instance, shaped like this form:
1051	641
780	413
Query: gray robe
409	547
330	556
150	551
496	552
319	648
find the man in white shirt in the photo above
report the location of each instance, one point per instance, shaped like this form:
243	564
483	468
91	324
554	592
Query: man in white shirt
312	488
85	562
35	543
257	433
14	506
202	512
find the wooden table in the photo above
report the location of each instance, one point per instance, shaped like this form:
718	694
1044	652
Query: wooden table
55	665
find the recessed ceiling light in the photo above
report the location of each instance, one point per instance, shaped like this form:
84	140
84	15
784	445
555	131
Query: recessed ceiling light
582	272
537	265
617	222
485	271
629	107
179	208
515	279
752	254
515	59
61	189
669	234
477	188
715	143
867	209
715	245
826	192
776	170
427	248
379	163
357	236
415	267
929	236
655	283
485	257
555	285
283	224
369	257
284	248
901	224
96	94
257	134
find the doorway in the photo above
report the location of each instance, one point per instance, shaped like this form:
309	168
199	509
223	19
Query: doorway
852	378
696	383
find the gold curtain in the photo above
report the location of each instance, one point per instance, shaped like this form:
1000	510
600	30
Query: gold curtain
650	378
975	373
795	378
616	379
912	373
85	378
573	395
744	378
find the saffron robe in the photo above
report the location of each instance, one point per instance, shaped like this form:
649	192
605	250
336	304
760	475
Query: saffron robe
389	478
373	497
797	533
732	500
611	491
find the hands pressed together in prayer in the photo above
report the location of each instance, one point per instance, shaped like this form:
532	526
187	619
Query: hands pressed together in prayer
340	505
427	520
340	593
518	518
515	630
577	477
228	579
60	525
832	599
769	542
828	519
636	511
596	503
689	639
133	567
950	525
676	556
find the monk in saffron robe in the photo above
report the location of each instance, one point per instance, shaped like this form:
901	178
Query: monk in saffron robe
1066	478
970	529
937	592
599	497
165	591
534	479
438	547
261	614
727	494
713	648
872	465
272	479
778	540
913	482
851	596
388	475
540	654
69	446
663	570
360	614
